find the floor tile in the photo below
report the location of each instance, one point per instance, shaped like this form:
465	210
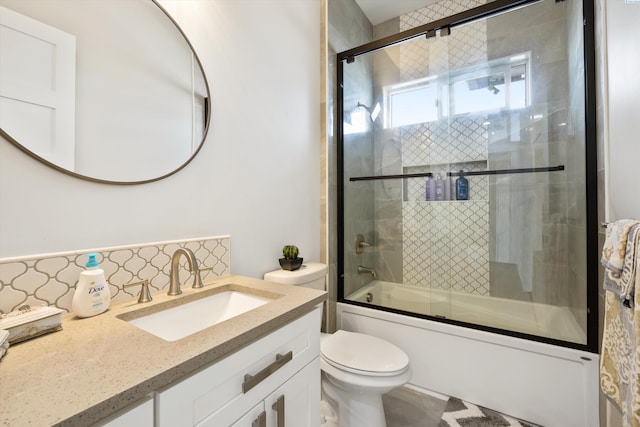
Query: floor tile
405	407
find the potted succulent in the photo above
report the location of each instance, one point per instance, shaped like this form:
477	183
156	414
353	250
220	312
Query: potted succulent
290	261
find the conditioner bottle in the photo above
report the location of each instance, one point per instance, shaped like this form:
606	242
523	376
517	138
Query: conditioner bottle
462	187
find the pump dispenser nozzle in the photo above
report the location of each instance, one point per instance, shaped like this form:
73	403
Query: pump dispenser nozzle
92	263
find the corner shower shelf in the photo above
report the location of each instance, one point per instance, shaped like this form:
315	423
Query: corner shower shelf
469	173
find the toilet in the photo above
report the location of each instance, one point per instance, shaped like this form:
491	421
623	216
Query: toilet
357	369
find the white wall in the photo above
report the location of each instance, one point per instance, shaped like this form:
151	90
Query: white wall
623	45
622	133
257	177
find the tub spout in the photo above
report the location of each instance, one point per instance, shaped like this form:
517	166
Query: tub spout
367	270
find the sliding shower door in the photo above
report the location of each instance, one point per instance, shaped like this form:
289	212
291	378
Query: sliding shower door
464	165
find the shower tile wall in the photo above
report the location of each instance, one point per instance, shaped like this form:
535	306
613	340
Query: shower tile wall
445	244
441	142
51	279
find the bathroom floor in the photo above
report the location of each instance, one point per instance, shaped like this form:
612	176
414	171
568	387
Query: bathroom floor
405	407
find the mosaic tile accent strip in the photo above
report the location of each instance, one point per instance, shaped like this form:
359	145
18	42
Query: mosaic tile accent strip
50	279
446	245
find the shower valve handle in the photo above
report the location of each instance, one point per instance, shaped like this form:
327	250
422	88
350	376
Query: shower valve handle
361	244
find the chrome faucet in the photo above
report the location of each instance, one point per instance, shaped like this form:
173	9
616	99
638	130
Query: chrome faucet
174	277
367	270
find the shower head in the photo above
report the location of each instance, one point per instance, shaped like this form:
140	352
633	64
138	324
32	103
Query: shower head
356	117
373	114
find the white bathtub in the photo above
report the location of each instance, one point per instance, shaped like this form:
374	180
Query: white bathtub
545	384
520	316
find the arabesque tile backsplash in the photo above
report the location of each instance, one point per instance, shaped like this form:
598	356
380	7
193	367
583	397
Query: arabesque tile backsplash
50	279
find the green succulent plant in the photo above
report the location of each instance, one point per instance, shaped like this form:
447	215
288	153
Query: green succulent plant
290	252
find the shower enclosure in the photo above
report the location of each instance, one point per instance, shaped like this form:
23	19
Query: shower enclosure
500	98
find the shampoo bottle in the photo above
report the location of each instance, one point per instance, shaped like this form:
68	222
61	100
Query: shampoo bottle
439	188
462	187
92	295
430	189
447	187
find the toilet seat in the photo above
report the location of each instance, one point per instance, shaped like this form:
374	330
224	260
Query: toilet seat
363	354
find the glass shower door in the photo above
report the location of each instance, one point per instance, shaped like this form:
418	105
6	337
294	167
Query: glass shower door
464	173
387	250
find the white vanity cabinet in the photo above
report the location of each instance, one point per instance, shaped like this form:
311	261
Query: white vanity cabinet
139	415
236	390
295	403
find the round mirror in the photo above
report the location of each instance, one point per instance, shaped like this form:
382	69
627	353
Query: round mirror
109	91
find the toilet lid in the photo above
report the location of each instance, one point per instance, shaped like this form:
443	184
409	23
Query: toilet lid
364	353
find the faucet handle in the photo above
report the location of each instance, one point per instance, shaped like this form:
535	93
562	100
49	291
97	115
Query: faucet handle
361	244
197	280
145	295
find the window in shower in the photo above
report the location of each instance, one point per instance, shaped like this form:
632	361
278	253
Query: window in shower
428	99
501	101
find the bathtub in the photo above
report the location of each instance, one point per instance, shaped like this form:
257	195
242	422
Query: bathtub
542	383
520	316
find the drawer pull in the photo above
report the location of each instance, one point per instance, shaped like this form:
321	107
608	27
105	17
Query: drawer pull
250	381
278	406
261	421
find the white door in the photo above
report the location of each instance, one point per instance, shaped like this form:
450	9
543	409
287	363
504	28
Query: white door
37	87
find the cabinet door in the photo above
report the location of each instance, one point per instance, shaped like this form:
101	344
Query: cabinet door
297	402
256	417
139	415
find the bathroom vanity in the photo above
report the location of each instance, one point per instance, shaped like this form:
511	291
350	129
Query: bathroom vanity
261	366
277	376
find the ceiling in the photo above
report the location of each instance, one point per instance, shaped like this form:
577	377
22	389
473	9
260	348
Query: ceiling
382	10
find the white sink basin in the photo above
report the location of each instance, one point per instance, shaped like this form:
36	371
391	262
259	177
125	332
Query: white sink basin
177	322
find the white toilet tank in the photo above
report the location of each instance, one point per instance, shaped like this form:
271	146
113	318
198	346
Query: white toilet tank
310	275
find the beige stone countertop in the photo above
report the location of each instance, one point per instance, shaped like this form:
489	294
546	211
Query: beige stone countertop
99	365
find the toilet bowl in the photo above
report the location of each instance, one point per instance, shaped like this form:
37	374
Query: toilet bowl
357	369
